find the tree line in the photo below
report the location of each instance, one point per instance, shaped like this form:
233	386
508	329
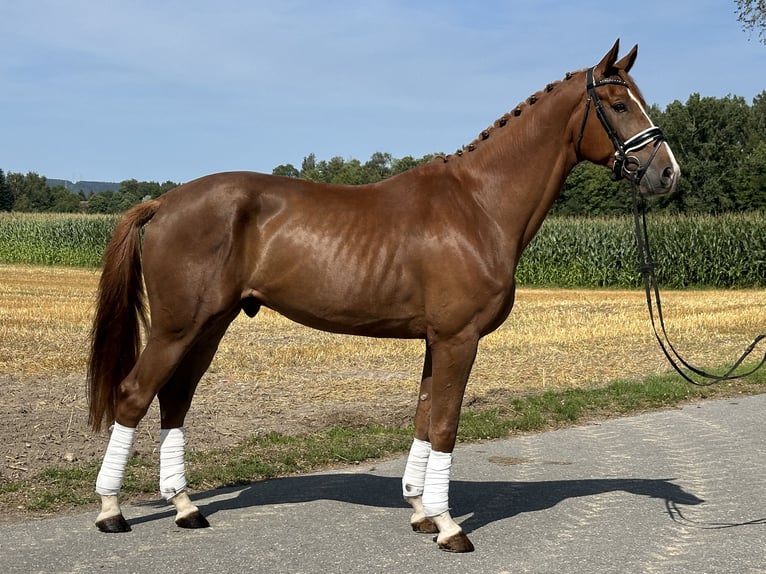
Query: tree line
32	193
720	144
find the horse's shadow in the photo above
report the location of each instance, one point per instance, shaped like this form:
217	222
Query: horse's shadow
488	501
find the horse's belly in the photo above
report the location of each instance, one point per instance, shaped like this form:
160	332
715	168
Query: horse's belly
349	320
345	299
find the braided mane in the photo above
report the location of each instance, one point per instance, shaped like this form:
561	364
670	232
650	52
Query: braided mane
505	119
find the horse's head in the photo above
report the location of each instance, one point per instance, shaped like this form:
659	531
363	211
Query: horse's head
619	133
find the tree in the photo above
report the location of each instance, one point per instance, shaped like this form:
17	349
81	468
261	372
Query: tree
712	138
350	174
30	192
104	202
309	169
406	163
752	15
286	170
6	197
751	180
589	191
64	201
378	167
757	128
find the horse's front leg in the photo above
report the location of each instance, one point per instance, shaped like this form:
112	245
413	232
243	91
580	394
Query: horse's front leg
414	477
452	360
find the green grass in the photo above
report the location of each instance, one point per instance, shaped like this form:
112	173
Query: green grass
55	487
271	455
274	455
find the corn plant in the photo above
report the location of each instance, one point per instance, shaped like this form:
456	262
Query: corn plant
54	239
726	251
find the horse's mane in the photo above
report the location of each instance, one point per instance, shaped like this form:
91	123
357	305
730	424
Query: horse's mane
505	120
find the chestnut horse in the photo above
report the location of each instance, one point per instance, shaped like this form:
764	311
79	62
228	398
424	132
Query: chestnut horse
427	254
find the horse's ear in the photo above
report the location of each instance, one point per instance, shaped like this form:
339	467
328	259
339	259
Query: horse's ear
606	65
627	62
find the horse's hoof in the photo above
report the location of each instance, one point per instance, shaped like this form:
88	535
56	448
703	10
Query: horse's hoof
424	526
193	520
457	543
116	523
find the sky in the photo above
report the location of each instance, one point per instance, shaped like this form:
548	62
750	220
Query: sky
170	90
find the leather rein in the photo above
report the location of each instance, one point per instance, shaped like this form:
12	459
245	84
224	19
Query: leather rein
628	166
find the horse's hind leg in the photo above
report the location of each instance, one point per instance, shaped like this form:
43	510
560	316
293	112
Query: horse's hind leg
155	365
168	358
175	399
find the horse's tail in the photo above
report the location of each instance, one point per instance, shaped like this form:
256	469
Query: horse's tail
115	336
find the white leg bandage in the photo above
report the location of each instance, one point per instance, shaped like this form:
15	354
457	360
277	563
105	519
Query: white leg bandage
172	467
415	471
436	487
112	471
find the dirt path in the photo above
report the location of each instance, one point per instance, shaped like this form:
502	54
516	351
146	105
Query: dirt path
43	420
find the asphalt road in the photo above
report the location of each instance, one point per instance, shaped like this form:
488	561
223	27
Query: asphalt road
678	491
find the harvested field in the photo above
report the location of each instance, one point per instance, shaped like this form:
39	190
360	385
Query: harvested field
271	374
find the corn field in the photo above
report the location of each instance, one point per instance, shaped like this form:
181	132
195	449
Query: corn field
727	251
54	239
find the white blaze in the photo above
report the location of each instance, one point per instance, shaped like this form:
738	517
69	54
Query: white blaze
676	167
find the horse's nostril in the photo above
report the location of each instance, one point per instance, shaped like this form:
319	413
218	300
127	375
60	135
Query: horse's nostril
667	174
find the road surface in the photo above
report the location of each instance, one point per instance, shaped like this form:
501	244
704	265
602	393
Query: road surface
674	491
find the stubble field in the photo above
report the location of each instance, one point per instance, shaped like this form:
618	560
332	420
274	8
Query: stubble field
273	375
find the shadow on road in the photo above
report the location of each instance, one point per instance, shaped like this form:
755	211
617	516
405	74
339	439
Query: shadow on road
488	501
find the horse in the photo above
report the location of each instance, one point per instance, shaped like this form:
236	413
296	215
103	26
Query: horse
427	254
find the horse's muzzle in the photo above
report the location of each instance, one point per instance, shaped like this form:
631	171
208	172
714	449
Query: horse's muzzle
661	174
660	179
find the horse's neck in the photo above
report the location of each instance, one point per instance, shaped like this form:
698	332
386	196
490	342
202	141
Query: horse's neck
517	170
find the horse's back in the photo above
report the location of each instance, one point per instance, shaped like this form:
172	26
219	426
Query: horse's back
382	259
296	246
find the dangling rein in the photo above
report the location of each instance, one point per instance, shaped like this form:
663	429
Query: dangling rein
627	165
646	268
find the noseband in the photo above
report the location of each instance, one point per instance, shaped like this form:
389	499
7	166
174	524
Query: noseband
624	164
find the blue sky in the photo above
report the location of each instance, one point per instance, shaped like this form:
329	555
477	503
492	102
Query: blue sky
172	90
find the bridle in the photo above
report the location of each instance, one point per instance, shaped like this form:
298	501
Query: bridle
628	166
625	164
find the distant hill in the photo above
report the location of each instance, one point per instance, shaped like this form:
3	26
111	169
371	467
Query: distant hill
87	187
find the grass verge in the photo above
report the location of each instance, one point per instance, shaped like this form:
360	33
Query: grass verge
275	455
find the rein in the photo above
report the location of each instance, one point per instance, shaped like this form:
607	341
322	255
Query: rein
646	267
629	166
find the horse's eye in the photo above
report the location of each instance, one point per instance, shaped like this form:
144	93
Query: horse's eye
619	107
